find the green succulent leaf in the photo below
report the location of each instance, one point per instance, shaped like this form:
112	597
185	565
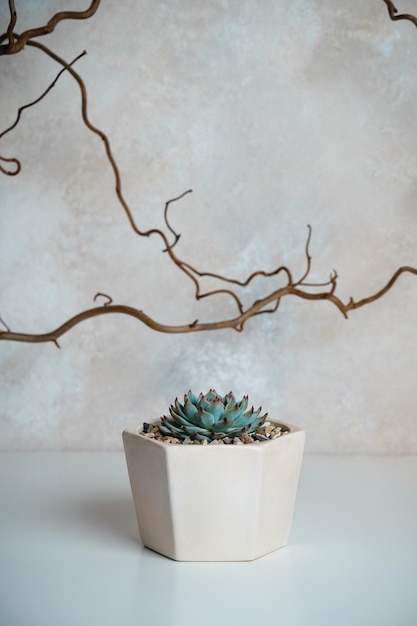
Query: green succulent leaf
206	418
191	398
190	411
212	395
216	408
210	415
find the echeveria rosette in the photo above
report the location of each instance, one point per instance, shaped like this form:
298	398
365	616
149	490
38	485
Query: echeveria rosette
211	416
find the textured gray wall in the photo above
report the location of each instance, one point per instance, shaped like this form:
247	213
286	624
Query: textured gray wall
278	115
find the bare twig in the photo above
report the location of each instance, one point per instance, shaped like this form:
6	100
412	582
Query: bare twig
308	257
268	304
167	205
109	300
16	43
4	324
9	172
27	106
192	272
39	98
394	15
236	323
12	24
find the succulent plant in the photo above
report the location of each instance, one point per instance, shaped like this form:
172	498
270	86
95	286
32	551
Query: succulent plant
210	416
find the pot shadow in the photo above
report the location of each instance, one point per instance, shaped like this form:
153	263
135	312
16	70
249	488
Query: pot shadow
111	516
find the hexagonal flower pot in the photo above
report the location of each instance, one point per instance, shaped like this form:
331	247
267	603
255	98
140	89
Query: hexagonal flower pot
214	503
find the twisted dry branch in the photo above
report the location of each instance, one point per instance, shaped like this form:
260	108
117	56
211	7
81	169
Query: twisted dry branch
394	15
190	271
16	43
236	323
20	110
268	304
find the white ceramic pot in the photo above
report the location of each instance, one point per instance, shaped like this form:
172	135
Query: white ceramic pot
214	502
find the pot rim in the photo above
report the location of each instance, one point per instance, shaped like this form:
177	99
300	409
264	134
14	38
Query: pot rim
136	430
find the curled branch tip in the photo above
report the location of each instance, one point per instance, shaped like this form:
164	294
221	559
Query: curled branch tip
167	205
10	172
103	295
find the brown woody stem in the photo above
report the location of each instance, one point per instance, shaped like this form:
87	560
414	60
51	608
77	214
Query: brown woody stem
394	15
268	304
18	42
236	323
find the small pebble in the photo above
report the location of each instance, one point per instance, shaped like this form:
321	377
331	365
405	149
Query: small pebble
260	437
266	432
247	439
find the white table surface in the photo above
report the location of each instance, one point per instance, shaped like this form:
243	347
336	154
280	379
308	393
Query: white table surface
70	553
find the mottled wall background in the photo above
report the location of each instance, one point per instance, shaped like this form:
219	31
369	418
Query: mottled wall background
277	115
